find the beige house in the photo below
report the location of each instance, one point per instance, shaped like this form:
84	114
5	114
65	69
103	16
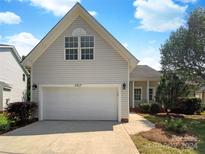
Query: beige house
143	84
79	71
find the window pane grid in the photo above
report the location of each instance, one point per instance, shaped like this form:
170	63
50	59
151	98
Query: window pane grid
150	94
137	94
87	41
71	54
87	54
87	47
71	42
83	44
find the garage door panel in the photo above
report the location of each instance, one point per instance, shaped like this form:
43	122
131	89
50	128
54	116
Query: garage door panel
84	103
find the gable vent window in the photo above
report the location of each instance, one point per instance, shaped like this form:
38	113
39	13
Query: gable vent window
87	47
71	48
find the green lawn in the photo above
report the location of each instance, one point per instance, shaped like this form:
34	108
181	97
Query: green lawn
196	126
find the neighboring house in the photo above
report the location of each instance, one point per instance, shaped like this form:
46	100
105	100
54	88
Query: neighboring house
201	94
13	77
79	71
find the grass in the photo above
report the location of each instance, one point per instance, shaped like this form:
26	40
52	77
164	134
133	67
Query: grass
8	125
195	126
203	113
4	124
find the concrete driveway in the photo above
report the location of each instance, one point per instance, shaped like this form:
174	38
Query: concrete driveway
70	137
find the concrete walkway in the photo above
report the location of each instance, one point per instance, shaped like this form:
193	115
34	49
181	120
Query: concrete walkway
74	137
137	124
68	137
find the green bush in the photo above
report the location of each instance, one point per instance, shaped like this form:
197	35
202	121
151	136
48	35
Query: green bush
176	125
4	123
20	112
144	107
155	108
186	105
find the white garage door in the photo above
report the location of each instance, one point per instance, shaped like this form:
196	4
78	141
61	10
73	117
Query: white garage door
84	103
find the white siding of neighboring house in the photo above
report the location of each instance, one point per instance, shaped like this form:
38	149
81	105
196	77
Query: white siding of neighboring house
6	98
1	98
12	73
108	67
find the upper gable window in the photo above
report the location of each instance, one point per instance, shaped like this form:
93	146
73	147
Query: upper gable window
87	47
71	48
79	45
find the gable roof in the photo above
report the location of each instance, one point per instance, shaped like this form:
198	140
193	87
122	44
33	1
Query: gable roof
5	85
15	54
64	23
144	72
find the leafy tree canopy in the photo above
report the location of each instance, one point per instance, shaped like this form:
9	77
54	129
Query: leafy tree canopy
184	51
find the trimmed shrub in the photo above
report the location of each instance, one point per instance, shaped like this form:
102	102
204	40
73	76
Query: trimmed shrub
20	112
155	108
187	105
144	107
176	125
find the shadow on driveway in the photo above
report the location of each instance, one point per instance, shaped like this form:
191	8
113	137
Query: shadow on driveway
59	127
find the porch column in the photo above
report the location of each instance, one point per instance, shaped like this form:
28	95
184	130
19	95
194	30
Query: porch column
133	97
147	91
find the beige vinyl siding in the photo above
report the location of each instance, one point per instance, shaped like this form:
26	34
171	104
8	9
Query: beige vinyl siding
108	67
203	97
143	85
12	74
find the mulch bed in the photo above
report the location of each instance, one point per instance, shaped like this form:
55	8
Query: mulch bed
168	138
174	115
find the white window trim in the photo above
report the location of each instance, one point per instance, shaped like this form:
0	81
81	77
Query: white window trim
153	95
69	59
87	48
79	49
70	48
134	94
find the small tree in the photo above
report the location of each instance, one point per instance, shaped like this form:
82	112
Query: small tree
170	88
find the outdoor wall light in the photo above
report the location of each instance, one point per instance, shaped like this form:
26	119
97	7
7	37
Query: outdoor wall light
34	86
124	86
